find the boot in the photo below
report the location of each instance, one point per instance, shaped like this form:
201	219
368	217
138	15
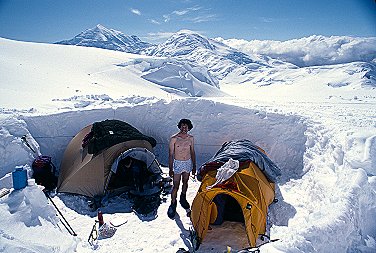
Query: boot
171	210
183	201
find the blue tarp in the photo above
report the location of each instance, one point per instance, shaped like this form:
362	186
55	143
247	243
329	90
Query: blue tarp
245	150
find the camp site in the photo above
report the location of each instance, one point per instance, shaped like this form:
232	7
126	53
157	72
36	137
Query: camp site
111	160
282	102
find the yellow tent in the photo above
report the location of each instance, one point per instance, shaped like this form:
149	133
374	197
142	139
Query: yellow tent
248	188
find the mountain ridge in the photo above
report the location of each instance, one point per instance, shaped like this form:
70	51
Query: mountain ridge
185	45
102	37
222	58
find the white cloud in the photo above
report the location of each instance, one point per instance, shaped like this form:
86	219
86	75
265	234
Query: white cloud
153	21
158	36
166	18
180	13
312	50
203	18
195	8
136	11
188	15
267	20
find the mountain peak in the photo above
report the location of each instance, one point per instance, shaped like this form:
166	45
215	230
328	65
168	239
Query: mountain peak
186	31
99	26
219	58
103	37
188	40
104	30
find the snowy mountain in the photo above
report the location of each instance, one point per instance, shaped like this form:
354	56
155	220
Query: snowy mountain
102	37
252	62
186	77
185	46
219	58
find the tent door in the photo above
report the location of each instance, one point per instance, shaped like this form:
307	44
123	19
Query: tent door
228	209
131	174
122	178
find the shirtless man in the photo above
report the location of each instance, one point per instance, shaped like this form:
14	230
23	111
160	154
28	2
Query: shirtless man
182	160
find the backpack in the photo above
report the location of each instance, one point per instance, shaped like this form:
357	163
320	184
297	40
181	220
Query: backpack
44	172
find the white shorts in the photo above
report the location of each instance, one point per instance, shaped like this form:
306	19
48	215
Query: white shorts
182	166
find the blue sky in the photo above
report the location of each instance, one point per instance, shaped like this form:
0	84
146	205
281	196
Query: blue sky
154	20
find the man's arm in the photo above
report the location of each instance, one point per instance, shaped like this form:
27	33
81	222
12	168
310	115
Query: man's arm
193	156
171	150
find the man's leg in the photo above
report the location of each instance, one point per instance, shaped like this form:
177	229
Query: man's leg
183	197
175	187
172	208
185	178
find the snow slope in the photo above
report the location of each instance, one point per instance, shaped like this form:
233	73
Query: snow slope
323	137
86	76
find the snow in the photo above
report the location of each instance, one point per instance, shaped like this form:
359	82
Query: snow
316	123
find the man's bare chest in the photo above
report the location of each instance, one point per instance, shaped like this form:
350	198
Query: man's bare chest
182	142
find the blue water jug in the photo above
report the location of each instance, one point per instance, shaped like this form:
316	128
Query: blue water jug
19	176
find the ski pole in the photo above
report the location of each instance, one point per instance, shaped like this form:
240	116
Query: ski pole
23	138
66	227
72	231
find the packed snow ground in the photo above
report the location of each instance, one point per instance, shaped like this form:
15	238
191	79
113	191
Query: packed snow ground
322	137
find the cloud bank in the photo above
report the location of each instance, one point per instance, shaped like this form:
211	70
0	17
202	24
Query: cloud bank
312	50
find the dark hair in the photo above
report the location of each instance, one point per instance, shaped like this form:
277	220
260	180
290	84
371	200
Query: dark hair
185	121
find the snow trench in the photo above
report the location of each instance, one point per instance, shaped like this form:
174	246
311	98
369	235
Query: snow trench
281	136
